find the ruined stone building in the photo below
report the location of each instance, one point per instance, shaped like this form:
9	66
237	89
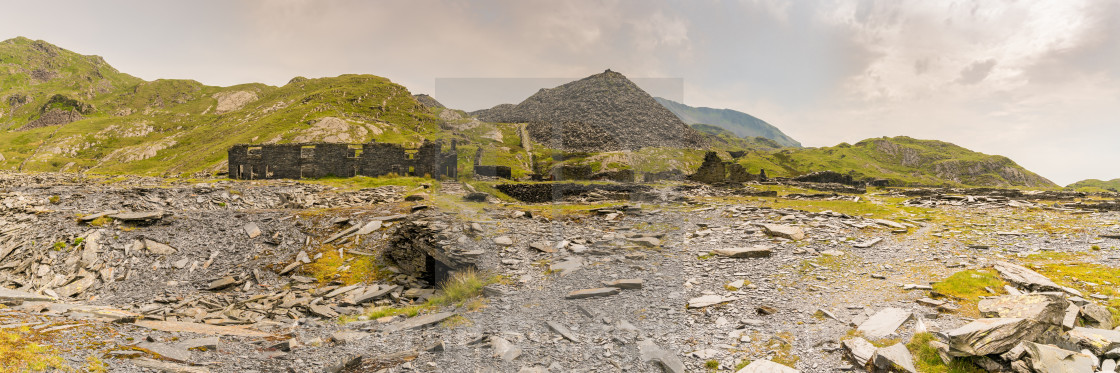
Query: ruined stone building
313	160
714	170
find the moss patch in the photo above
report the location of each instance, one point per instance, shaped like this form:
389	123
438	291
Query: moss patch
968	286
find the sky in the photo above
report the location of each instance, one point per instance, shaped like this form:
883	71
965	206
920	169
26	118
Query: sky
1037	81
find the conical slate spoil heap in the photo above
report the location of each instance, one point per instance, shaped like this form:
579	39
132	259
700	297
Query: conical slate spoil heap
602	112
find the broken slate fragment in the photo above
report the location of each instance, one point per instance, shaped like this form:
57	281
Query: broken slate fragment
158	248
631	283
884	323
145	217
651	353
766	366
222	283
758	251
784	231
708	300
420	321
894	358
252	230
15	297
1048	308
542	246
562	330
592	293
859	350
504	349
503	241
1026	278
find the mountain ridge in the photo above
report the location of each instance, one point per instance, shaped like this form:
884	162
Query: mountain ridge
741	124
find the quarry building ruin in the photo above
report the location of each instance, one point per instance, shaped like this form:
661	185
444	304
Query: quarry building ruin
314	160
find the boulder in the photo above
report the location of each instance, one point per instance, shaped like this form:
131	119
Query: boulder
766	366
1047	308
1097	340
1046	358
884	323
894	358
784	231
1097	316
992	336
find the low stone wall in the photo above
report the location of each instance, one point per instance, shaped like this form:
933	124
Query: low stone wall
553	192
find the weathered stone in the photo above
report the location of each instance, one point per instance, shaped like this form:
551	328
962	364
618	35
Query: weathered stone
868	243
420	321
766	366
1047	308
562	330
158	248
77	287
894	358
15	297
204	344
168	367
1097	316
992	336
888	223
859	350
758	251
222	283
90	249
632	283
1046	358
348	336
189	327
708	300
167	351
884	323
503	241
651	353
368	228
542	246
1025	277
1099	341
591	293
92	217
566	266
323	310
252	230
374	293
504	349
646	241
784	231
138	217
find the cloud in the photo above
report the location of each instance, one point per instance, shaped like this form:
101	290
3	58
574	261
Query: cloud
976	71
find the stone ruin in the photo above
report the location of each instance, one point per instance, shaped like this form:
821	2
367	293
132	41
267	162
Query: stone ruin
313	160
714	171
504	172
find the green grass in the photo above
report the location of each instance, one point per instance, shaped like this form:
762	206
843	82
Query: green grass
968	286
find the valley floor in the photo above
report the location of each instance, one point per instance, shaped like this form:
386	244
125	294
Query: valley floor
223	276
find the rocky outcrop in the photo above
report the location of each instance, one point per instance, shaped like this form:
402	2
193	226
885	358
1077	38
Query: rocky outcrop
428	101
599	113
52	118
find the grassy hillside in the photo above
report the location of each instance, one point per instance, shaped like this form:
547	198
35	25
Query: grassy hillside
739	123
128	125
903	160
1097	185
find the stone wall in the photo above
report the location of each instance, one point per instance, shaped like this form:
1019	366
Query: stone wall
494	171
714	170
314	160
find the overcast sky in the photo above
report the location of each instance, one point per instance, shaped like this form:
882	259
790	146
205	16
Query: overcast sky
1037	81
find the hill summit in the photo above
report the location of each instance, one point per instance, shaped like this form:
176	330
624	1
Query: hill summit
601	112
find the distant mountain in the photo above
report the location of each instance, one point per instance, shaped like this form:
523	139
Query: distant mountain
902	160
739	123
1112	185
721	138
602	112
